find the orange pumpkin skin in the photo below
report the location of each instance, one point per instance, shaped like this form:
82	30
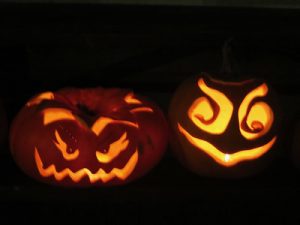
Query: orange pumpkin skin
216	127
88	137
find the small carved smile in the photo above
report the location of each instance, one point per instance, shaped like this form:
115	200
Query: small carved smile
226	159
76	176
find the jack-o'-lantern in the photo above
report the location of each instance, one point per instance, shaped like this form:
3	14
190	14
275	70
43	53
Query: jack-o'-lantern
88	137
224	129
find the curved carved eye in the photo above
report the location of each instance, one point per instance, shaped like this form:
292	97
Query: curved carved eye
203	110
63	148
212	118
259	118
258	121
114	150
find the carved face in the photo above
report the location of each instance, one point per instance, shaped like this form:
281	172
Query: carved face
88	137
223	125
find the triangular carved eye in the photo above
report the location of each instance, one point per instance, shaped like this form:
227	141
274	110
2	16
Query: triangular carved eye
257	120
211	114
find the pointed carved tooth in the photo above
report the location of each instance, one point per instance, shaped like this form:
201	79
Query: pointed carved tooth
93	177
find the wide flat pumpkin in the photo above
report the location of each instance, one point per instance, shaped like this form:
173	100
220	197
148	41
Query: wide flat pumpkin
88	137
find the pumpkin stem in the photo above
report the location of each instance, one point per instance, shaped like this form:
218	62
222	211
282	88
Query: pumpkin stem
229	68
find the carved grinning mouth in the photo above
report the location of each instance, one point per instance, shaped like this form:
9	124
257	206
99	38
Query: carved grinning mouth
76	176
226	159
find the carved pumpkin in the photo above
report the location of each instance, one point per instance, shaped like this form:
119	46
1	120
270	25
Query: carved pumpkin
224	129
88	137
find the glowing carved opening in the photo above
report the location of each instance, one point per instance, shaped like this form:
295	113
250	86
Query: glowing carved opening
38	99
114	150
201	112
142	109
226	159
122	174
62	147
51	115
129	98
260	117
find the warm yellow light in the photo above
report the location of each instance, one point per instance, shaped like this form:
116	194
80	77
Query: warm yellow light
62	147
201	110
122	174
38	99
114	150
260	115
129	98
51	115
226	159
102	122
142	109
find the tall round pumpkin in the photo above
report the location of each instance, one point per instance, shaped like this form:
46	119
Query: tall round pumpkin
224	129
88	137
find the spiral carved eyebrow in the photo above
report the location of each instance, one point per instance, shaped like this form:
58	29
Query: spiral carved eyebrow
260	91
219	125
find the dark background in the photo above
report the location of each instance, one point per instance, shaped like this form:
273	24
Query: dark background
150	49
